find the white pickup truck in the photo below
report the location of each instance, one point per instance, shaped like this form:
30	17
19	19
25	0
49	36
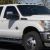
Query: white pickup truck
25	24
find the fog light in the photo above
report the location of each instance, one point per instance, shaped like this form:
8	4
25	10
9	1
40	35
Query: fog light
48	36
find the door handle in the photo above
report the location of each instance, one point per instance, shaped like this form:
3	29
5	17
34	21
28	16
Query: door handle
16	28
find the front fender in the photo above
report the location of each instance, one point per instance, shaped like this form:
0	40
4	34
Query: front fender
32	24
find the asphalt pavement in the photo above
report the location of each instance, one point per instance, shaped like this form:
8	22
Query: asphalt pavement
11	46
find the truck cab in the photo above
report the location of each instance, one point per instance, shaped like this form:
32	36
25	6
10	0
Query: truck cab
26	24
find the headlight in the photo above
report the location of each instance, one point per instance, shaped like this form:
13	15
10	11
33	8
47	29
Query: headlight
44	24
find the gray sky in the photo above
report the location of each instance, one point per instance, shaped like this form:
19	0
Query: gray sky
34	1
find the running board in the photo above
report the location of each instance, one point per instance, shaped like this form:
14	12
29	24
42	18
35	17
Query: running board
11	40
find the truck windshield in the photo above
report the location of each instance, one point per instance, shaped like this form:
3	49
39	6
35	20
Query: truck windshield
27	10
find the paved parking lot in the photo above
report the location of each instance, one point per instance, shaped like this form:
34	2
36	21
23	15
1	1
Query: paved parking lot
9	46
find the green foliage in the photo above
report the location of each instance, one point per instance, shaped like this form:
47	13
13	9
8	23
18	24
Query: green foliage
6	2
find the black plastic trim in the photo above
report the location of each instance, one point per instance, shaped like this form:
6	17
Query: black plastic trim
45	38
12	40
24	19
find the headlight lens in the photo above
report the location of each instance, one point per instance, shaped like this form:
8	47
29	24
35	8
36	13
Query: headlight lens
44	24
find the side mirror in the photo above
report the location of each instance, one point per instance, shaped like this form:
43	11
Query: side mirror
10	15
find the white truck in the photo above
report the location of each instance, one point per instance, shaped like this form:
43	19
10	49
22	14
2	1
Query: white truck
25	24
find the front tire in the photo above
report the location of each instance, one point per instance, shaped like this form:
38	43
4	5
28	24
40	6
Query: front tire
32	41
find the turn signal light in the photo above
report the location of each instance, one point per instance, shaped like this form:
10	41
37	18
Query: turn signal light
42	24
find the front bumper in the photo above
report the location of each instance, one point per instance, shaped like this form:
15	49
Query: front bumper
45	37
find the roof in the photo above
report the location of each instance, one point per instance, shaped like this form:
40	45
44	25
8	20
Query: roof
17	4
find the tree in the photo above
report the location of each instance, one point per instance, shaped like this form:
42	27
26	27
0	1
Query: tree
22	1
6	1
10	1
18	1
44	2
15	1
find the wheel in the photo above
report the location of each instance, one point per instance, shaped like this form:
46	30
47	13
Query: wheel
32	41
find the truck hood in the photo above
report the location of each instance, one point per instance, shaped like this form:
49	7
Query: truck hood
38	17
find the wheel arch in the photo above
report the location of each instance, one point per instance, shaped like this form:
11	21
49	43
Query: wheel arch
30	28
36	26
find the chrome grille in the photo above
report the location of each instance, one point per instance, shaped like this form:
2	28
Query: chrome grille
47	25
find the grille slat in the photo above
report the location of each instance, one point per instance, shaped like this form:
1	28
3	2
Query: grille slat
48	25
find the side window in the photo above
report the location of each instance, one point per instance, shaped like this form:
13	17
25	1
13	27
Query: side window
1	9
27	10
10	9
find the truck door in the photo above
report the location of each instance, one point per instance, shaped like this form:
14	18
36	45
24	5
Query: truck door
10	27
1	9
